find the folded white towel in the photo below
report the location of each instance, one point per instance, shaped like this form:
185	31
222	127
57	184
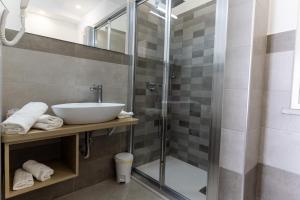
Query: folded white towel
123	114
48	122
22	179
22	120
40	171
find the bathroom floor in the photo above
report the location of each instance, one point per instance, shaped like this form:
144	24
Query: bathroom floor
110	190
182	177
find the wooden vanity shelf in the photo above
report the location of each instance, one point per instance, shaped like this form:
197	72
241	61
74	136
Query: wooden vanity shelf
62	145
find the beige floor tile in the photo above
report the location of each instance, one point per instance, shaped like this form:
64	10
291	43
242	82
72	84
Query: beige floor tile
110	190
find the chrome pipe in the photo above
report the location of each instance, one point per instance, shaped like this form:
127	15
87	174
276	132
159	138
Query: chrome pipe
88	141
131	8
112	16
111	131
109	35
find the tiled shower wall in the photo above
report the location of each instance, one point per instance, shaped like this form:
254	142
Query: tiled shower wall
149	69
192	52
150	33
147	110
190	97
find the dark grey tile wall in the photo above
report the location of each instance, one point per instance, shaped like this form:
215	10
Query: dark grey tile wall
192	52
149	69
190	97
147	110
150	33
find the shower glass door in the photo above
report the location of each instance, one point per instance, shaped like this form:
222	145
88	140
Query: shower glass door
174	88
148	91
190	118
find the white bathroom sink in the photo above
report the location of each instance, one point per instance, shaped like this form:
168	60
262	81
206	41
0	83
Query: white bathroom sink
87	113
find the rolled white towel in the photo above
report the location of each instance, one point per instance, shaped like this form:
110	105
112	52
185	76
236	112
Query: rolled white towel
40	171
48	122
21	121
123	114
22	179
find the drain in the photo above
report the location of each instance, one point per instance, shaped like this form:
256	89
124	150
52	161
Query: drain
203	190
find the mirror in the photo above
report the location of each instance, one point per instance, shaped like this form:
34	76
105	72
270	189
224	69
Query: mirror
97	23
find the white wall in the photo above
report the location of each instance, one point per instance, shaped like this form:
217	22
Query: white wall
280	143
282	15
41	25
57	28
46	26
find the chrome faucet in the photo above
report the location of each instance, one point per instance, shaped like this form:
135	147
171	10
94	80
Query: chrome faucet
98	90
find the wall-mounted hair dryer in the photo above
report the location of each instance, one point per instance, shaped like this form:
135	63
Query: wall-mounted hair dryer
23	6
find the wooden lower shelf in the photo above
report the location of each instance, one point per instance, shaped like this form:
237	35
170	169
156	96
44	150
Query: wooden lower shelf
64	170
61	173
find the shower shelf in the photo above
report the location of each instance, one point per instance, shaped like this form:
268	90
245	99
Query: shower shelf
66	166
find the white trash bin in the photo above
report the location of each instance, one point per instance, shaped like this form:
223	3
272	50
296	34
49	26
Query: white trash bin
123	167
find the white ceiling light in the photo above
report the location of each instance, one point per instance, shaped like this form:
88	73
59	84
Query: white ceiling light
164	11
78	6
156	14
41	12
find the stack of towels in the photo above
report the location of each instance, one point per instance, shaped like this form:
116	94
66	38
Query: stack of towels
123	114
24	177
32	115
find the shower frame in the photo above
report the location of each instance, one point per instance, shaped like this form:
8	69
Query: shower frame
106	22
217	92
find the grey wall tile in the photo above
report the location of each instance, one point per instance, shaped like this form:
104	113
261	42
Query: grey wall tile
50	45
240	23
277	184
250	184
237	67
52	78
232	153
230	185
234	114
279	42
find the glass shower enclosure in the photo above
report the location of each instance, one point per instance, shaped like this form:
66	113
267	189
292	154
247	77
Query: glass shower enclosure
177	51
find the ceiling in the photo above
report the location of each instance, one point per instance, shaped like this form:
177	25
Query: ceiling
66	9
